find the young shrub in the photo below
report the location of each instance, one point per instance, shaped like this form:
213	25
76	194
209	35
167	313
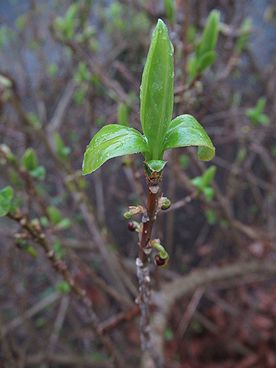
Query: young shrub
159	133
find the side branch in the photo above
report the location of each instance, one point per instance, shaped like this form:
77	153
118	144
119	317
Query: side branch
62	269
185	285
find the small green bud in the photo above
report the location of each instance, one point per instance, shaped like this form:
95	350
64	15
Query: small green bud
23	244
132	211
128	215
160	261
164	203
63	287
162	257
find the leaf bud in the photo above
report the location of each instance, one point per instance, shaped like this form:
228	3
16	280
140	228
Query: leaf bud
128	215
164	203
133	210
160	261
131	226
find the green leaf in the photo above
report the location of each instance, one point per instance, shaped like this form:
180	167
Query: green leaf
263	119
260	105
54	215
256	115
157	90
203	183
154	166
206	60
29	159
169	9
6	196
211	216
123	114
44	221
66	25
184	161
82	74
63	287
24	245
52	69
208	193
31	250
192	66
34	120
198	183
245	30
60	148
79	95
210	34
64	224
186	131
39	173
209	175
191	34
168	334
59	251
112	140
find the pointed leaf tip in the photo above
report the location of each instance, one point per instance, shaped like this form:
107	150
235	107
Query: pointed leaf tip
161	25
157	89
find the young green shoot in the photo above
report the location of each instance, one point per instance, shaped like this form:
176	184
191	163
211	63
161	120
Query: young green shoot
160	132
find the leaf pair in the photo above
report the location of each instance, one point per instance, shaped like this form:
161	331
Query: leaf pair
160	131
256	114
204	182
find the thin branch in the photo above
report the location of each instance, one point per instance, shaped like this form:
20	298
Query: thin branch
37	308
114	268
61	108
143	271
62	269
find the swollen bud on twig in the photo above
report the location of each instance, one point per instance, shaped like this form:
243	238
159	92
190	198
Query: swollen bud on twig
133	226
22	243
6	154
132	211
164	203
160	261
128	215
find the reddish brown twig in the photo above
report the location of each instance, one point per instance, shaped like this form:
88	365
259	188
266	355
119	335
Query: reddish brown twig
119	318
142	263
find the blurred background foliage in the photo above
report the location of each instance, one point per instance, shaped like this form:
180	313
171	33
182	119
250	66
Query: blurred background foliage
66	69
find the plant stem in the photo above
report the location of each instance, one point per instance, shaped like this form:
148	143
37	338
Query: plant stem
148	219
142	263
